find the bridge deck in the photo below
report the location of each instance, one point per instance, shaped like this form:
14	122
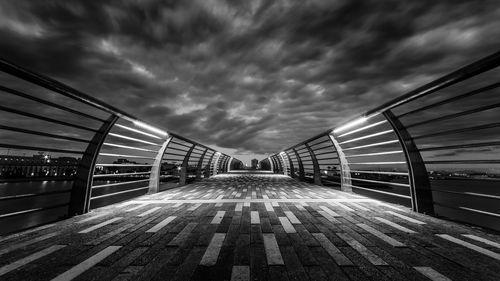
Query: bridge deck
251	227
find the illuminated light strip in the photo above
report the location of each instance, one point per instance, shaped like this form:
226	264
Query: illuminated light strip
129	147
124	155
119	192
379	191
363	128
378	163
371	145
150	128
383	182
351	124
138	131
120	174
479	211
368	136
377	153
377	172
124	165
132	139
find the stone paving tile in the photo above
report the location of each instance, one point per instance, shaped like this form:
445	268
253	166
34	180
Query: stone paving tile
251	227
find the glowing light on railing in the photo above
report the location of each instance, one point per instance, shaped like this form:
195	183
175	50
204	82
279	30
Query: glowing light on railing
128	147
150	128
351	124
132	139
375	153
363	128
367	136
137	131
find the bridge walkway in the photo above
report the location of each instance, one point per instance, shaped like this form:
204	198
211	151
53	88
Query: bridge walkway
251	227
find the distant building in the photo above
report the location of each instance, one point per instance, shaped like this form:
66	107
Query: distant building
41	165
255	162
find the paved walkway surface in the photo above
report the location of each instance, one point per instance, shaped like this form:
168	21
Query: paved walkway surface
251	227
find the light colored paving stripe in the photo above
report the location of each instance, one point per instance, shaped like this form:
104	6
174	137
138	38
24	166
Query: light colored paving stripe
432	274
273	253
480	239
149	212
293	219
239	207
412	220
287	225
254	217
86	264
240	273
137	207
212	252
470	246
359	206
395	225
342	206
219	204
275	204
219	197
182	236
16	235
194	207
330	212
328	217
300	207
97	226
388	205
161	224
333	251
218	217
92	218
269	207
365	252
304	203
11	248
19	263
246	204
108	235
284	200
393	242
265	196
178	205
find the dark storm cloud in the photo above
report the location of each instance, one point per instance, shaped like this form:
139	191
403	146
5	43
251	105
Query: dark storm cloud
253	76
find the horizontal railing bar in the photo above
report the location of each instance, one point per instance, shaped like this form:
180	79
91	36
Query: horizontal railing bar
335	182
375	153
462	130
133	139
326	133
124	165
15	146
26	131
117	183
379	172
39	117
371	145
55	105
452	99
328	146
473	194
379	163
463	162
468	145
120	174
2	216
27	195
181	144
119	192
169	159
479	211
367	136
175	148
329	158
129	147
455	115
321	142
137	131
379	191
125	155
381	182
170	153
362	128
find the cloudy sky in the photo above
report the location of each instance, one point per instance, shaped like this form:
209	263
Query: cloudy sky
250	77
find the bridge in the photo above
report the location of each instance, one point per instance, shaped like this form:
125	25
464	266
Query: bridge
391	195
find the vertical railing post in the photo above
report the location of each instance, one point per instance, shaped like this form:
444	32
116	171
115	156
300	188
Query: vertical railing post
271	164
183	175
216	163
345	171
82	186
229	164
284	163
420	187
200	163
209	164
317	171
290	162
154	177
301	166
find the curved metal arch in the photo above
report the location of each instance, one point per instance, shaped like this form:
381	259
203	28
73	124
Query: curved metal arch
154	177
292	168
316	169
301	166
200	163
345	171
183	175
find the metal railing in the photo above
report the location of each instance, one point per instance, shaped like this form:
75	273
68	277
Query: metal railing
435	149
66	152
